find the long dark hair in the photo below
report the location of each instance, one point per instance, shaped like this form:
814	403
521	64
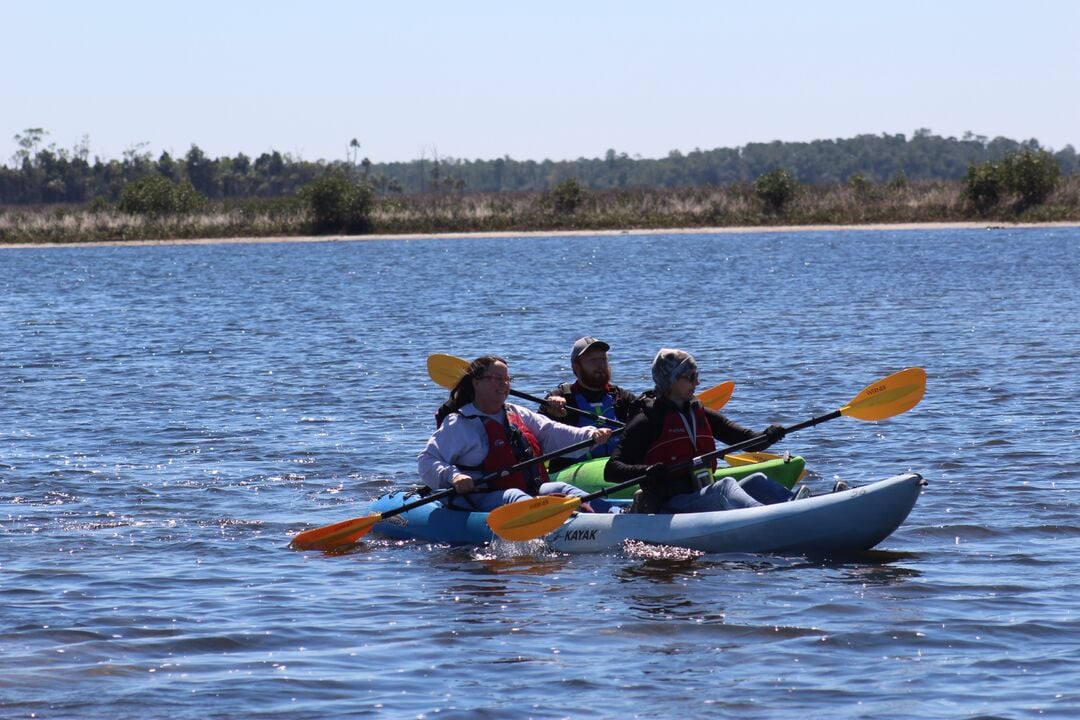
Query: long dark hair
465	390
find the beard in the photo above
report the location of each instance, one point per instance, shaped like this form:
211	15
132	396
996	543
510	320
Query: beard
597	380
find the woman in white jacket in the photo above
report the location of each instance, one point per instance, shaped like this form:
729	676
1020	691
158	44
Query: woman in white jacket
485	434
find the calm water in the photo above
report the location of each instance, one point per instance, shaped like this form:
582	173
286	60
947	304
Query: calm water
169	416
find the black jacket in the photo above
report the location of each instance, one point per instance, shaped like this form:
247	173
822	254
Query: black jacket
628	460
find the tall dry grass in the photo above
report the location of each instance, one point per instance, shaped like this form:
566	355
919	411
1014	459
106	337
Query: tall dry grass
52	225
626	209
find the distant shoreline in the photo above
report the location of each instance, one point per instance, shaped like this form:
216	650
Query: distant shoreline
547	233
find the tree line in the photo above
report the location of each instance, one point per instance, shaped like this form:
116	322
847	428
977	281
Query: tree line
46	174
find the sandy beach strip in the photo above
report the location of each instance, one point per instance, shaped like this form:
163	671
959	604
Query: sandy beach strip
548	233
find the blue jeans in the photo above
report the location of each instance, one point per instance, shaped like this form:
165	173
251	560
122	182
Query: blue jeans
724	494
764	489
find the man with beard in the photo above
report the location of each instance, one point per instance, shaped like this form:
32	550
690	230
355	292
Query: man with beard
593	394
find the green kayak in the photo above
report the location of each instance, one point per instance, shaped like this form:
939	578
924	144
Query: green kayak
786	470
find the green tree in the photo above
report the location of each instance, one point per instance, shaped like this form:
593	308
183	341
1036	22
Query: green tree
137	162
567	196
1029	176
776	189
1068	160
201	170
156	196
863	188
27	140
166	167
1032	175
984	185
270	164
338	204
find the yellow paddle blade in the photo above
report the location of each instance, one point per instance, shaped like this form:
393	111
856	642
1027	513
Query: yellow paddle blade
329	537
446	370
889	396
750	458
531	519
717	396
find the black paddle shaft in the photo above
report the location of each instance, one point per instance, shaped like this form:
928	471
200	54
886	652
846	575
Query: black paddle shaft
599	419
700	459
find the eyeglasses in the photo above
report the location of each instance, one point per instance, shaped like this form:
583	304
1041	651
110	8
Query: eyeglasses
499	379
691	377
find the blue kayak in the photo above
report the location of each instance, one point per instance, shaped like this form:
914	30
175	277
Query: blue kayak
846	521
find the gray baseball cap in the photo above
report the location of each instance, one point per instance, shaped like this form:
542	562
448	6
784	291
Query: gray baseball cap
584	344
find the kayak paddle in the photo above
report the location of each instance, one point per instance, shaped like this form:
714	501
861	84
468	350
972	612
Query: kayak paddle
341	533
717	396
879	400
447	370
752	458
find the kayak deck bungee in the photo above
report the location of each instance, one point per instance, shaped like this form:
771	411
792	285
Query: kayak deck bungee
786	470
846	521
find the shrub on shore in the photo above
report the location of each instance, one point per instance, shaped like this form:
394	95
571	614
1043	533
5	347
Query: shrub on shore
339	205
567	196
1028	178
776	190
157	196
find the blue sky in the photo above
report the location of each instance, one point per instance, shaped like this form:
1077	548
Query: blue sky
540	80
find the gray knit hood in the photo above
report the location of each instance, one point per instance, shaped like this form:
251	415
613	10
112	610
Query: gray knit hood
668	365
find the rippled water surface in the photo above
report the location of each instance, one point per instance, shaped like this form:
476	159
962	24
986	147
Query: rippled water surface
170	415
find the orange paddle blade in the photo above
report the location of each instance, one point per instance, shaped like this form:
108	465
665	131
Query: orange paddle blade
717	396
531	519
329	537
446	370
889	396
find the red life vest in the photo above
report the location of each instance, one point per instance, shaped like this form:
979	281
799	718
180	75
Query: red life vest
674	445
509	444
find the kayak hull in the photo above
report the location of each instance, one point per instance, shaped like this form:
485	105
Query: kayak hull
847	521
433	522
